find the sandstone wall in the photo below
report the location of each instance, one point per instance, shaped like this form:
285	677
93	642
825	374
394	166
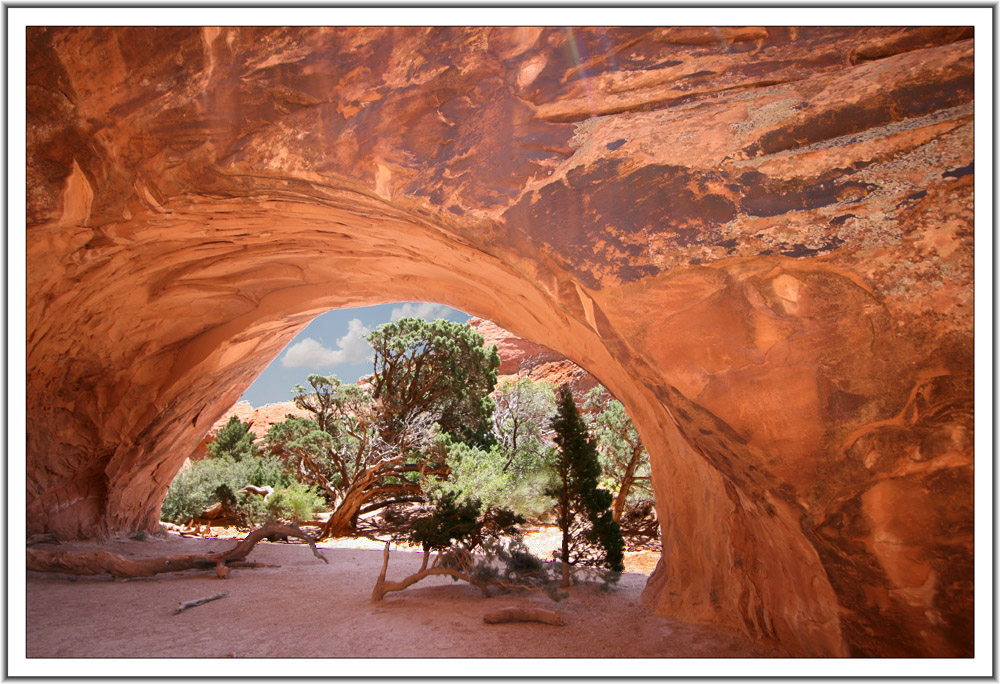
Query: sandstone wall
759	239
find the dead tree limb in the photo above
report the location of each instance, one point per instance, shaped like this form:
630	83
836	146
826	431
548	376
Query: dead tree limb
513	614
383	587
98	562
184	605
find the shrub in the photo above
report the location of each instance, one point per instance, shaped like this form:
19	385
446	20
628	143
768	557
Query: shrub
211	480
234	439
450	520
295	503
477	473
250	511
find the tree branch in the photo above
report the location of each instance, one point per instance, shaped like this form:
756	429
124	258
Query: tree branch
383	587
382	504
513	614
99	562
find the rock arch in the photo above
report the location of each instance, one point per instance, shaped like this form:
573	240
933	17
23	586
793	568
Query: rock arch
759	239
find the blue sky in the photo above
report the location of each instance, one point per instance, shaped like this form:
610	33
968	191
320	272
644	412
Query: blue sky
334	344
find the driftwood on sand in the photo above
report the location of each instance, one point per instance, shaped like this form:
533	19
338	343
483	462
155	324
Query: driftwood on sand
99	562
513	614
184	605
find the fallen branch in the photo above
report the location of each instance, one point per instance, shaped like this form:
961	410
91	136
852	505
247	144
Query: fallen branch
512	614
99	562
383	587
184	605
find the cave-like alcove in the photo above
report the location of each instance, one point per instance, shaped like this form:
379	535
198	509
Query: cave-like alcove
759	239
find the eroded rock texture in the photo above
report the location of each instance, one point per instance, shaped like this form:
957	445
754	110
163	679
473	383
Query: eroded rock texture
760	239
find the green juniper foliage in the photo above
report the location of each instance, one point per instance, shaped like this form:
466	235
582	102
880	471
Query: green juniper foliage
513	471
438	367
371	445
480	541
234	439
448	522
590	536
621	453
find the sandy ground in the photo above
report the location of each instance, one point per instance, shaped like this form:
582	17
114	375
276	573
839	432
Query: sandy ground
308	609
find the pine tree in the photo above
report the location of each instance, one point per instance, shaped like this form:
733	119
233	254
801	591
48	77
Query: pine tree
590	535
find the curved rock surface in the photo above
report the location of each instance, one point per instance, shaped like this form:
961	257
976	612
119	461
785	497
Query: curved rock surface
759	239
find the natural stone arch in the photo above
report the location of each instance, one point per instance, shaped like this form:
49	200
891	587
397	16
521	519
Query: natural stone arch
253	292
194	201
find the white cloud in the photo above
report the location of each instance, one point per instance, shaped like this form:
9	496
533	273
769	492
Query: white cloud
424	310
351	348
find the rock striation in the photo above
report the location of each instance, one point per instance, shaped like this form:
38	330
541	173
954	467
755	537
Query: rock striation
759	239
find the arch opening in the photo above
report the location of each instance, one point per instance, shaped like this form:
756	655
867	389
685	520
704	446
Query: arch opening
510	470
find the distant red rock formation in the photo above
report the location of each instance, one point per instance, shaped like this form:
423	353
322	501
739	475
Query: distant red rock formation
527	359
262	418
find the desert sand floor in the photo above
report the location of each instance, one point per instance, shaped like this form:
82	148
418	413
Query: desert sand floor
308	609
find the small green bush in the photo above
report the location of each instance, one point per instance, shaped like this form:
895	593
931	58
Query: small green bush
295	503
211	480
480	474
250	511
449	521
234	440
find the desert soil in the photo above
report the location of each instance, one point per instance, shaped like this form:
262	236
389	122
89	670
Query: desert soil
308	609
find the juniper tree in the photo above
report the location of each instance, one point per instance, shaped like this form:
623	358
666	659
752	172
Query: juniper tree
372	444
471	542
357	466
620	450
436	367
234	439
590	535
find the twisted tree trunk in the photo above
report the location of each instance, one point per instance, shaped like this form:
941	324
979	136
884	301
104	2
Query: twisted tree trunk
383	587
99	562
619	506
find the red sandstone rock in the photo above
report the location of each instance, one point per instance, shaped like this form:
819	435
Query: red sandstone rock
523	358
759	239
261	419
